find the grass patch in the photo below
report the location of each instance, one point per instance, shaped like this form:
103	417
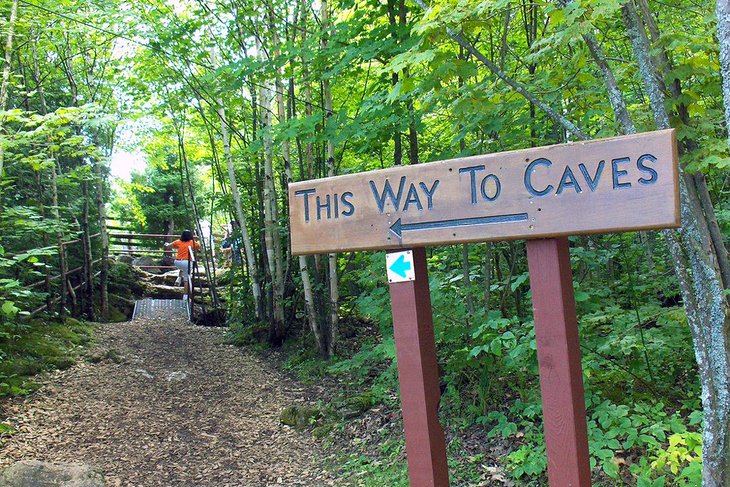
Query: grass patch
37	347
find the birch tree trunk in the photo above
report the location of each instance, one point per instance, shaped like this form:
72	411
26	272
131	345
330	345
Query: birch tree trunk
239	213
667	82
207	252
487	275
5	84
59	240
241	216
104	239
272	240
286	155
332	258
88	289
313	315
37	77
700	281
723	36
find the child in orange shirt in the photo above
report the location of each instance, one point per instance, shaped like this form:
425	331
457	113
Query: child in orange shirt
183	246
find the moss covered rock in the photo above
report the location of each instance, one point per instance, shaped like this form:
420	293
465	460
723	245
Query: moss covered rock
299	417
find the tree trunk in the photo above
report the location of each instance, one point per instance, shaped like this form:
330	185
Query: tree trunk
332	259
466	281
696	265
61	247
241	217
5	84
104	239
37	77
283	263
271	230
314	314
615	95
88	289
487	275
723	37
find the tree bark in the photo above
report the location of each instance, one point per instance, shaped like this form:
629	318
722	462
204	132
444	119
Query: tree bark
61	247
104	239
207	252
314	315
615	95
5	84
37	77
696	266
271	231
88	289
332	259
281	103
487	275
722	10
466	280
241	215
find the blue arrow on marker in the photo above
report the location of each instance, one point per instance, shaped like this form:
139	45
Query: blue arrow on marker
400	266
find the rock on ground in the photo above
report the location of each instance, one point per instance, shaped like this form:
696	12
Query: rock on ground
33	473
168	404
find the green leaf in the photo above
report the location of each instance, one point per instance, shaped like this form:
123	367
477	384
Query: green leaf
9	309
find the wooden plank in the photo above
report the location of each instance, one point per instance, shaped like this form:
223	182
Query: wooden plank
558	355
610	185
142	251
159	308
143	235
418	376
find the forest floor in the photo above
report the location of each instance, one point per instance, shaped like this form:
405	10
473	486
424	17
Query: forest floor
163	402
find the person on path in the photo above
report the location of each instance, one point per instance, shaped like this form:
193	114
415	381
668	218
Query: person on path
207	235
183	246
232	243
228	229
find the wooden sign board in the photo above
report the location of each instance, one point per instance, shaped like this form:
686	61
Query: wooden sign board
609	185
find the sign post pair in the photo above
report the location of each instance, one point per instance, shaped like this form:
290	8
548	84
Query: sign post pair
542	195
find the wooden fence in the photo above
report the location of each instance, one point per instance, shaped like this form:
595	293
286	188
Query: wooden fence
73	267
67	287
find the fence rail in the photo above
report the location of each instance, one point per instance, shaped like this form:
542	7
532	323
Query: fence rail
62	285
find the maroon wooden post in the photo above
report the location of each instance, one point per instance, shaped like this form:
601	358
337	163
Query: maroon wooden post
418	375
559	358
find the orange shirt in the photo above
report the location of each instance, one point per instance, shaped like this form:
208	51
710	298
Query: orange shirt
184	247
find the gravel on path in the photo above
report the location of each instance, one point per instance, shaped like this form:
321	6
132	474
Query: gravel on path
169	404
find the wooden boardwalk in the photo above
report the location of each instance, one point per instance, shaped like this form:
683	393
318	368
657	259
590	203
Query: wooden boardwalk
161	308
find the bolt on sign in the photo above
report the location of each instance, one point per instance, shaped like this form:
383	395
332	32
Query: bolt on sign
542	195
609	185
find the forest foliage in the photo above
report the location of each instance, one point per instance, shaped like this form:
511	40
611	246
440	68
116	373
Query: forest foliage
231	101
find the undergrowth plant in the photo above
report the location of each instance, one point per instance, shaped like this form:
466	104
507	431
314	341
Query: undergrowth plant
642	394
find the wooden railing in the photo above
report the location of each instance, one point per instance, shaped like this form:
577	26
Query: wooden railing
139	244
66	276
68	289
135	248
192	271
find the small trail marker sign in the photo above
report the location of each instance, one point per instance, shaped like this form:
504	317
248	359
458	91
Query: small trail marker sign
543	195
400	266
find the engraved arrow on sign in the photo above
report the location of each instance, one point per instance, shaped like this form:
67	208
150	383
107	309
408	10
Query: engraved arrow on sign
398	227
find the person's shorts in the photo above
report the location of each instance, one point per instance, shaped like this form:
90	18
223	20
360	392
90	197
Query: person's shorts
182	266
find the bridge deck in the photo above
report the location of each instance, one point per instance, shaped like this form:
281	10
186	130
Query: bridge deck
161	308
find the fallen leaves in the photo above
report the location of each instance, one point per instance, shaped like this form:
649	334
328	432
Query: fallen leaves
171	406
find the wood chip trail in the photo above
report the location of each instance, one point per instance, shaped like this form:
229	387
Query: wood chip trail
169	404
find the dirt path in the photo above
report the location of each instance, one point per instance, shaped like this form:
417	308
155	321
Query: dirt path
168	405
